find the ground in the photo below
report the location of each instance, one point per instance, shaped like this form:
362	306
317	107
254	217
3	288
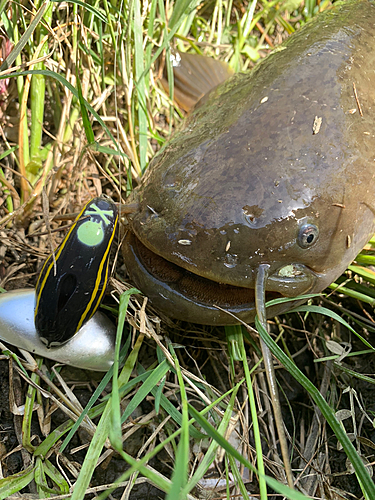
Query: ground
75	159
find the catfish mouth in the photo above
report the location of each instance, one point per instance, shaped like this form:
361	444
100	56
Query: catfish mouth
192	285
181	294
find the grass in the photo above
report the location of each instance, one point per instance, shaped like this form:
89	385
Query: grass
83	113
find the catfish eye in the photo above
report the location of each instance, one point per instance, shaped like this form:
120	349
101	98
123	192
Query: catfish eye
307	236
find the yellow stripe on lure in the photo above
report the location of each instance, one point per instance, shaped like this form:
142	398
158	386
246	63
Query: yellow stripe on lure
68	294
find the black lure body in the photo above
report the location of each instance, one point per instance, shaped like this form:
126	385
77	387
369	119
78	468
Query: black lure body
69	293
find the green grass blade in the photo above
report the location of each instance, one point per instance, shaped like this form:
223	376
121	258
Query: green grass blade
350	292
2	6
288	299
254	416
37	98
365	259
180	472
115	430
149	384
24	38
171	410
85	117
211	431
355	374
334	316
8	152
159	392
361	471
102	430
144	460
92	455
13	484
28	414
40	479
52	438
368	274
237	477
157	479
210	454
51	471
141	87
70	87
180	9
95	11
150	34
107	377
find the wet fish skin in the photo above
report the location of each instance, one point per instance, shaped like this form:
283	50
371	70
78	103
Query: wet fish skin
266	154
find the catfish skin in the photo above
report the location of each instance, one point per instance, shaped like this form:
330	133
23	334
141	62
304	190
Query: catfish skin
233	188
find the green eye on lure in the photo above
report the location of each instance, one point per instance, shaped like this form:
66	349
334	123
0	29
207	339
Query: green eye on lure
68	293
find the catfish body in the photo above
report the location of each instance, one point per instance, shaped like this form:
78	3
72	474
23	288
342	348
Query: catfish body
275	167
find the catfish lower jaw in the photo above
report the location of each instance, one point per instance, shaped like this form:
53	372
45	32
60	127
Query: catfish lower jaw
183	295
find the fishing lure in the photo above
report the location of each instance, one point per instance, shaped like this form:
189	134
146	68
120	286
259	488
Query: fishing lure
70	288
